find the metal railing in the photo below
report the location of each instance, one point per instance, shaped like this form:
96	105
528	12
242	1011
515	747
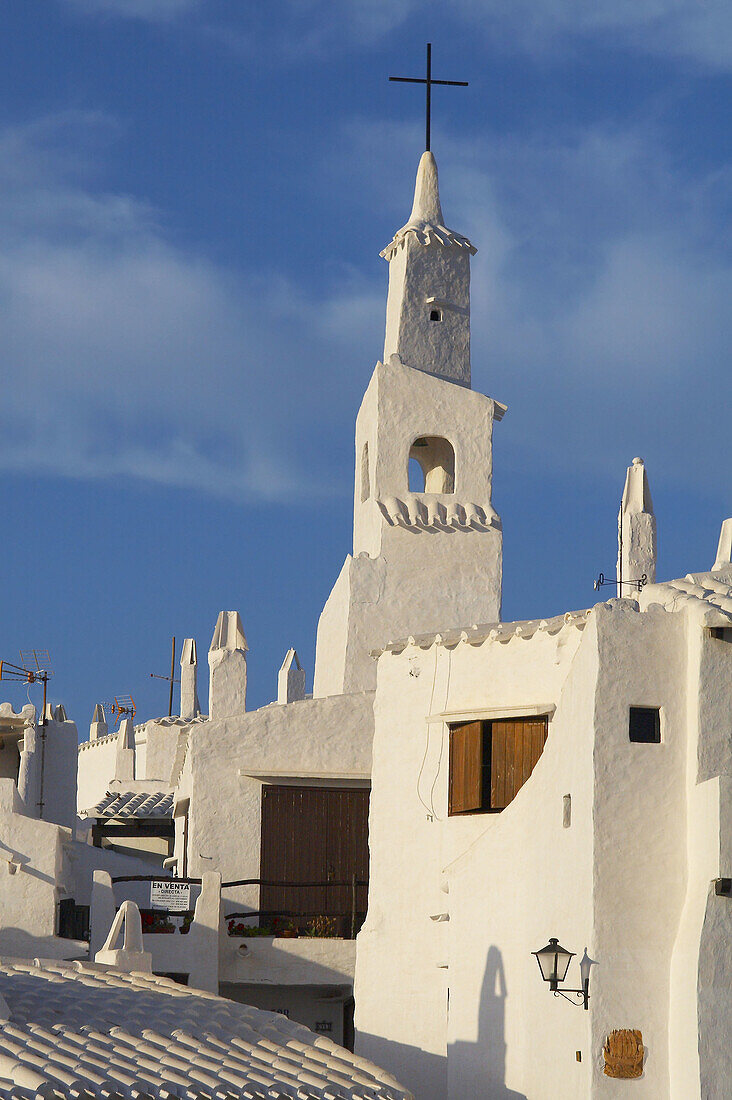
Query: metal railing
353	916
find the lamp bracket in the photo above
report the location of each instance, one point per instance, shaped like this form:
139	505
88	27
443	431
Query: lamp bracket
582	995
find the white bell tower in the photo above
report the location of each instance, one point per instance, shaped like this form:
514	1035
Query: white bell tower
428	307
426	557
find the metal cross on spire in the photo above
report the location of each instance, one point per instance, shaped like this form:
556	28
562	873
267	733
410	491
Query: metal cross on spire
428	82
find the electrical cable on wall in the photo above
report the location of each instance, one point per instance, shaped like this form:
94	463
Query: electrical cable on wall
442	736
427	741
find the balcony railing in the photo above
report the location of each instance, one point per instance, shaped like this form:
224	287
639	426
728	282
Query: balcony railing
321	921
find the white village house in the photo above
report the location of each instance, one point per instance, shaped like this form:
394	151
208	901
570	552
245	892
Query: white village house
455	792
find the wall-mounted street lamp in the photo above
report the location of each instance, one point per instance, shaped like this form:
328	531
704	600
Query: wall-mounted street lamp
554	963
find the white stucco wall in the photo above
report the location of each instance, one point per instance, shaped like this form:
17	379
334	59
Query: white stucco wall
401	981
639	811
700	1018
28	895
406	544
195	953
525	878
95	770
613	884
313	740
306	960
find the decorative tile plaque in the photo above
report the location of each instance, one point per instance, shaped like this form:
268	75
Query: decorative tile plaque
623	1052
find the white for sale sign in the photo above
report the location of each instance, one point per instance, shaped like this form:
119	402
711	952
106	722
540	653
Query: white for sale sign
168	893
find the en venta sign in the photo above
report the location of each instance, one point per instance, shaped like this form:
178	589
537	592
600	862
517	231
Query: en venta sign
166	893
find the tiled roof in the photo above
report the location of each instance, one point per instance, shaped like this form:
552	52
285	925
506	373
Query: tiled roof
81	1029
134	804
703	591
488	632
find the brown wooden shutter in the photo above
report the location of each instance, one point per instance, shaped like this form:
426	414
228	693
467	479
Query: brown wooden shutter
466	768
318	835
516	745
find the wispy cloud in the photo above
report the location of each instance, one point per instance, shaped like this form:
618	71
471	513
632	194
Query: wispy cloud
127	355
699	31
599	296
600	314
694	30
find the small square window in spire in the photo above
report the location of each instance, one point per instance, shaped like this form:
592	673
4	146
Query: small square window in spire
644	725
435	315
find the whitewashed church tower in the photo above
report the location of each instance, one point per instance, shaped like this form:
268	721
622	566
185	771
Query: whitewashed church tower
427	544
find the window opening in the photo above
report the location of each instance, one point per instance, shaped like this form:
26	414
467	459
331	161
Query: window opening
435	459
644	725
435	315
365	476
490	762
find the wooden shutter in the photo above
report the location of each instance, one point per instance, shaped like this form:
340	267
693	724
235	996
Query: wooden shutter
347	850
466	768
516	745
318	835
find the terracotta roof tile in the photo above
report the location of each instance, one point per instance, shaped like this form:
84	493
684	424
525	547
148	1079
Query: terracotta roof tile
78	1029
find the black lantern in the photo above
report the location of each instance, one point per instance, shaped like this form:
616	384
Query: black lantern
554	963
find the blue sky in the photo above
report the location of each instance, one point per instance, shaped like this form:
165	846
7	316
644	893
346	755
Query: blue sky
193	196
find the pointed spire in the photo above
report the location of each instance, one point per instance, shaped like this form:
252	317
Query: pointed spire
98	726
636	530
291	679
724	548
124	763
229	633
189	705
428	305
426	207
227	662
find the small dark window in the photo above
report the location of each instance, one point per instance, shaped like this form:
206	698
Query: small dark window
435	315
721	633
644	725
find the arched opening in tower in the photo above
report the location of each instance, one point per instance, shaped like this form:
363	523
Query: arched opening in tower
431	465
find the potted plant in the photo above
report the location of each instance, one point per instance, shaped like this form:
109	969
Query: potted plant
322	927
285	928
237	927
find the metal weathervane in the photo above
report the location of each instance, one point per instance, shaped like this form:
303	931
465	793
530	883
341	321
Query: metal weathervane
428	82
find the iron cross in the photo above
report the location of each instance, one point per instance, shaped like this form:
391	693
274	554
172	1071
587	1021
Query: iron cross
428	82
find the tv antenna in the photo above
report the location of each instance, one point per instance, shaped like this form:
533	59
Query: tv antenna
171	678
123	706
34	668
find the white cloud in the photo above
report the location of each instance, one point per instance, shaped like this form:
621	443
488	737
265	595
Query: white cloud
697	30
127	355
599	298
700	31
600	315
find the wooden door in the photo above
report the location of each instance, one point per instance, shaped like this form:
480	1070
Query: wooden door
314	835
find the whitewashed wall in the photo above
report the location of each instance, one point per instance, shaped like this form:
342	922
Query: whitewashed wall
613	884
401	984
227	762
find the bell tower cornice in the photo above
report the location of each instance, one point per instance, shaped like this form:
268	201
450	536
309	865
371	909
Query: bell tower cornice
426	222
